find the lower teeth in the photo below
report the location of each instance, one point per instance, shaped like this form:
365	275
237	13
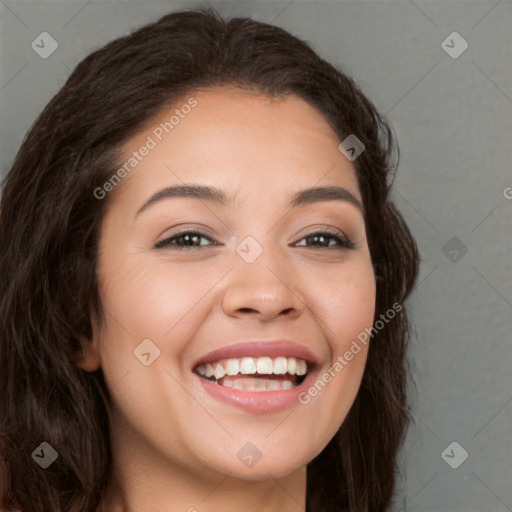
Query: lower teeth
256	384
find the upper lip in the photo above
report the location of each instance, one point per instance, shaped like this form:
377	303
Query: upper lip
261	348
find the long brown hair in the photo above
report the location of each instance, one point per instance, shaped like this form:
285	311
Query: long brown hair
49	227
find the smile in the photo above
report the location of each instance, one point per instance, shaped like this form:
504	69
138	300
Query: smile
258	376
256	373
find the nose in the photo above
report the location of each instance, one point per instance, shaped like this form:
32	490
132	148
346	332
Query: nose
265	288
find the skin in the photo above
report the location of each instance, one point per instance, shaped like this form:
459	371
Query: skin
175	446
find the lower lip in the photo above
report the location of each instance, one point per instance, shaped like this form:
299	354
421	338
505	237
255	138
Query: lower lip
258	402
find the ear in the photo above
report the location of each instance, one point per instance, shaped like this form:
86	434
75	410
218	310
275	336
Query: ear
90	360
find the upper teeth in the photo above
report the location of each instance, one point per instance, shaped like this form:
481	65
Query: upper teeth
253	365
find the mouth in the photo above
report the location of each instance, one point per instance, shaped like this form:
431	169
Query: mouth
261	376
258	374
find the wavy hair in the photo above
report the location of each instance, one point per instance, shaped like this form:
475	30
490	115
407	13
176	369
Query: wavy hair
50	223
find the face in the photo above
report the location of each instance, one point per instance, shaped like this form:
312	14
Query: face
226	350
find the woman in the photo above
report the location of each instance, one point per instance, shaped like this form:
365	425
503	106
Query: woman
203	282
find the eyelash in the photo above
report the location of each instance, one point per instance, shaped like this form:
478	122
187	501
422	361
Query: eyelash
341	242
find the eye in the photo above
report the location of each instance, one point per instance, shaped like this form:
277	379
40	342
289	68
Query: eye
191	239
184	240
323	238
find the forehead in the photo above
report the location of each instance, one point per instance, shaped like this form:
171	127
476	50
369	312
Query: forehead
243	142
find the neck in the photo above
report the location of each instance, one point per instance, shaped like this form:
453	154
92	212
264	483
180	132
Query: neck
138	483
227	495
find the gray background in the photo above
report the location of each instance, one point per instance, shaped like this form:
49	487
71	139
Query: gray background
453	121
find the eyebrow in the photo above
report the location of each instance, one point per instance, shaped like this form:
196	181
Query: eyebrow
215	195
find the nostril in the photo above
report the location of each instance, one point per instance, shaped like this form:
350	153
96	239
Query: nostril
247	310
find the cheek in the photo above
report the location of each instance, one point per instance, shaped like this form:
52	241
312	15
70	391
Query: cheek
142	295
136	309
346	303
148	301
345	307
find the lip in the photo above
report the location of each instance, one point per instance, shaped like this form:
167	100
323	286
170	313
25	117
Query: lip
260	402
261	348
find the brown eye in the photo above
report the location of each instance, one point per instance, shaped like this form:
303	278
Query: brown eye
323	238
184	240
